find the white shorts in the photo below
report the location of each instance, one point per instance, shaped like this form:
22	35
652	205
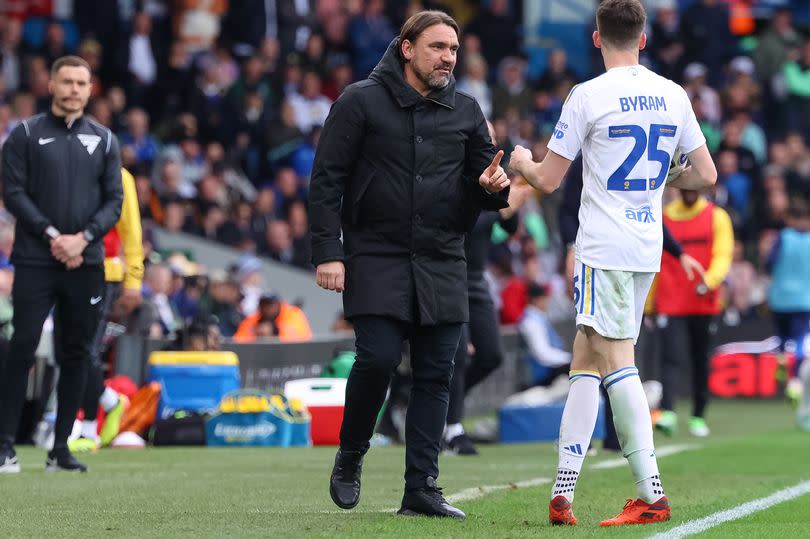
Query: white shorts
610	301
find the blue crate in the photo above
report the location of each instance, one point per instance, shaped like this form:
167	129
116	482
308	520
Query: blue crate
197	388
520	424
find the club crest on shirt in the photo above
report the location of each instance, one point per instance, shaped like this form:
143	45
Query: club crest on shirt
90	142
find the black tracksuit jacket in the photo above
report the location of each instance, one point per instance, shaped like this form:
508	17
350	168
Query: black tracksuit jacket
64	176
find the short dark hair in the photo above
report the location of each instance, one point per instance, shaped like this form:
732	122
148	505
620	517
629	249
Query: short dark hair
419	22
70	61
620	22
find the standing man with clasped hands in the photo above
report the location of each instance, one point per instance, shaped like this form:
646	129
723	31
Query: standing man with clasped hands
404	166
62	181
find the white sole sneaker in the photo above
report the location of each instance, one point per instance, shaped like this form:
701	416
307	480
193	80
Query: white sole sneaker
10	467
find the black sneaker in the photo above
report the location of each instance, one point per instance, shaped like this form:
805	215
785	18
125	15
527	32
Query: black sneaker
344	485
8	459
461	445
429	502
60	460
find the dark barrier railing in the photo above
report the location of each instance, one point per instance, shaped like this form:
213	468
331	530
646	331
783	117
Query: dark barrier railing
269	365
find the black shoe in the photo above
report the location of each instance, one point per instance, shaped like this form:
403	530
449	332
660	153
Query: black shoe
8	459
60	460
461	445
428	501
344	485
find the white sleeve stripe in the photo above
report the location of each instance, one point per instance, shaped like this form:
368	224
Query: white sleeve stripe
109	141
27	131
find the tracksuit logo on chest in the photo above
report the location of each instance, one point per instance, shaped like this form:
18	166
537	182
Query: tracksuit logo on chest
90	142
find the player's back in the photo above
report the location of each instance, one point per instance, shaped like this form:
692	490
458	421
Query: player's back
630	122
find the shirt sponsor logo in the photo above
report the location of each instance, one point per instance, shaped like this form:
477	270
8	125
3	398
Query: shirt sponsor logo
640	215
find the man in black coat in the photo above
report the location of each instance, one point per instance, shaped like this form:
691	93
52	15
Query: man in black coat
396	171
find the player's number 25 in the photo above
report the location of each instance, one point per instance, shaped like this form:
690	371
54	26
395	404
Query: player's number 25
619	180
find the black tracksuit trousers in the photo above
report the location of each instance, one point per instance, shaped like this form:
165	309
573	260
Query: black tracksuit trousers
77	295
379	350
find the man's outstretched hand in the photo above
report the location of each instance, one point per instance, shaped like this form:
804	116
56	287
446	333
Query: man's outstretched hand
494	178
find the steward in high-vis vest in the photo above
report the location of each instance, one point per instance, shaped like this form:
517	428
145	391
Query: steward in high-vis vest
686	308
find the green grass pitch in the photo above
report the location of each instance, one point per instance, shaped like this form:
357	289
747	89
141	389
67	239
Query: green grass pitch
754	451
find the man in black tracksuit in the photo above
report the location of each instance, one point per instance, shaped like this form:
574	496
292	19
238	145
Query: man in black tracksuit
62	181
403	168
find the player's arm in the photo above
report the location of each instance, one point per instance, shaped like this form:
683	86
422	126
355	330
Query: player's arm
700	174
545	176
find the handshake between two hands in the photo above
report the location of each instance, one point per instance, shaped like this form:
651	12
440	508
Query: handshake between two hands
68	249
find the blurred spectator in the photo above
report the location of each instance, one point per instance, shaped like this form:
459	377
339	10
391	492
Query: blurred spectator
142	63
557	72
290	322
137	136
740	287
546	348
498	29
789	295
775	44
283	136
221	300
797	79
296	19
197	23
734	185
512	92
310	105
157	283
369	36
666	44
695	83
252	81
474	82
11	67
249	276
708	39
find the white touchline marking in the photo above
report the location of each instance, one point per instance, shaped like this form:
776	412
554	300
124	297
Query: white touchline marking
664	451
479	492
700	525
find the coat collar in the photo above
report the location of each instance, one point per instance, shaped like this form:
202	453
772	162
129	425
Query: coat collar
389	72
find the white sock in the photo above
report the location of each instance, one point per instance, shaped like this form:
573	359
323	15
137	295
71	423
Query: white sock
631	416
89	429
456	429
108	399
576	429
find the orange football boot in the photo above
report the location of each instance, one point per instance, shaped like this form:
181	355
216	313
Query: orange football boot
560	512
640	512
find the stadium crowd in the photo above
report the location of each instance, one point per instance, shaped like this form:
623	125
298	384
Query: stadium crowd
218	106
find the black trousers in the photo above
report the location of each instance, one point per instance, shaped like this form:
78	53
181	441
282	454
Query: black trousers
95	373
77	294
483	332
690	336
379	350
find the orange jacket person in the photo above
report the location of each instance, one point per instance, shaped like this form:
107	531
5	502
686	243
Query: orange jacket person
291	322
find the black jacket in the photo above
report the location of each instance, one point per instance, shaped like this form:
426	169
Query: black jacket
406	168
68	177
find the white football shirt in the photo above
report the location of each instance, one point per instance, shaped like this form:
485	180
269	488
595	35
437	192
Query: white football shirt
628	123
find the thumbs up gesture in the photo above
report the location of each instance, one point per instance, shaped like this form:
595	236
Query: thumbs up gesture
494	179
